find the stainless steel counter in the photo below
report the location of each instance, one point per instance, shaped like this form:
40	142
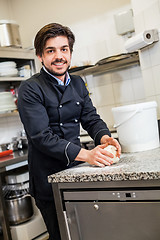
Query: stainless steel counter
17	159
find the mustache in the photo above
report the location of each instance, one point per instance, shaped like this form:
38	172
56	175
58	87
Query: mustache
58	61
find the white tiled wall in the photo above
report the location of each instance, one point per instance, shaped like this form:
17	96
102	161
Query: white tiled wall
135	84
115	89
147	16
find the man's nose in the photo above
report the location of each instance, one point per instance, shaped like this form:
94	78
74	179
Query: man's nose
58	54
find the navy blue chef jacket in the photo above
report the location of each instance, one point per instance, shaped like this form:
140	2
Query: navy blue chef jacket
51	115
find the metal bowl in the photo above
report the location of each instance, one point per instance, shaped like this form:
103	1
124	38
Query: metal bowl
19	209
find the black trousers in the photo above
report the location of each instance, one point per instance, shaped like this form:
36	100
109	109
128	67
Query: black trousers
48	211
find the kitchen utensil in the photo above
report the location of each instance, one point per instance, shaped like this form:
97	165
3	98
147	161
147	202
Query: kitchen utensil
6	153
9	34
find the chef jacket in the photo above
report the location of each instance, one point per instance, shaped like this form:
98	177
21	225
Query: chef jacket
51	115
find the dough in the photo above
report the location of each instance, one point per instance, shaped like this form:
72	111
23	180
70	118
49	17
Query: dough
112	149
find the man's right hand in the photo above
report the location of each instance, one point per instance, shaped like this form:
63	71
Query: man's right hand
97	156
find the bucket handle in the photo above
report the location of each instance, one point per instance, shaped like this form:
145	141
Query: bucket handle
132	115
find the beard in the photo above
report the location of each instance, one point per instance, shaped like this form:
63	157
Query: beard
54	72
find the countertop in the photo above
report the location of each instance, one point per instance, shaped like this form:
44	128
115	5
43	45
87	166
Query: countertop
16	158
132	166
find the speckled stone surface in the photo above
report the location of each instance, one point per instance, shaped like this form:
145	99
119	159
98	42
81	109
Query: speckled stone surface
132	166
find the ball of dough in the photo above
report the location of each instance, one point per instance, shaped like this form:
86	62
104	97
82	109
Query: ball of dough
112	149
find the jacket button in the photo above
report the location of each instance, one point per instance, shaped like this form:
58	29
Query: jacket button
77	103
60	106
75	120
61	124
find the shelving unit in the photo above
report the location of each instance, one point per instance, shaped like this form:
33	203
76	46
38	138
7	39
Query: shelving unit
12	79
21	57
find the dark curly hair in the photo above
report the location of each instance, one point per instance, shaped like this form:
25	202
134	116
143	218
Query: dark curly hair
50	31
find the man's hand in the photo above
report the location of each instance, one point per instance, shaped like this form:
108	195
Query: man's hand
97	156
111	141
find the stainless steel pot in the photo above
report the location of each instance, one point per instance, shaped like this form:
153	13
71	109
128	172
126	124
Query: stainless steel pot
9	34
20	209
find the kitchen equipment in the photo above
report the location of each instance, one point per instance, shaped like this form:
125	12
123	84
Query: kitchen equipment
9	34
7	102
17	198
33	229
19	209
122	213
137	126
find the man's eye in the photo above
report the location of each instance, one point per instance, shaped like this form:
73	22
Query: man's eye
64	50
50	51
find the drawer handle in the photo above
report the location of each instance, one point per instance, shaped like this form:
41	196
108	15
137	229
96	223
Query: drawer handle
96	206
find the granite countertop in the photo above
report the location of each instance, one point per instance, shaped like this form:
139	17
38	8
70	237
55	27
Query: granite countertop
132	166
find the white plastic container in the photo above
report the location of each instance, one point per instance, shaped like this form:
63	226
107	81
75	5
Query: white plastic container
137	126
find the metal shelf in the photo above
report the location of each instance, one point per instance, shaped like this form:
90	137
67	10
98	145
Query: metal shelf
9	114
21	57
130	60
17	53
12	79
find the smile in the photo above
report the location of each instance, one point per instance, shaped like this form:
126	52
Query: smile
58	64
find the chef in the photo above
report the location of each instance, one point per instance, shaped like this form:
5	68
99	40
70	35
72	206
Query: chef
52	104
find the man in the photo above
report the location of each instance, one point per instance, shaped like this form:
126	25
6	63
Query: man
52	104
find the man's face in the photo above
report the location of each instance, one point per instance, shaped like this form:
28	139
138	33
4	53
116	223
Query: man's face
56	56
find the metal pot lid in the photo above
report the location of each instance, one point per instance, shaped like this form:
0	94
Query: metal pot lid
7	21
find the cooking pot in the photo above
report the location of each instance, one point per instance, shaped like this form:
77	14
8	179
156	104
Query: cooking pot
19	209
9	34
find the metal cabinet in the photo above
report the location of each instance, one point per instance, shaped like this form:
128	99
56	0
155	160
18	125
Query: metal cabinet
101	211
113	220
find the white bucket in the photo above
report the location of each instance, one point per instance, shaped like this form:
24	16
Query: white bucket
137	126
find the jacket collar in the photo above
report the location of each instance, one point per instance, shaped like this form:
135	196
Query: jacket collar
70	93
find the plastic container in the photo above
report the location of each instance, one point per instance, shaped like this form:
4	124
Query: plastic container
137	126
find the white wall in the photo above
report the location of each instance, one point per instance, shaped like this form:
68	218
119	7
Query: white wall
5	10
33	14
147	16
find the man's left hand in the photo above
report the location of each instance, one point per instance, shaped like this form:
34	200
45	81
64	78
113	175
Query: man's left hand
111	141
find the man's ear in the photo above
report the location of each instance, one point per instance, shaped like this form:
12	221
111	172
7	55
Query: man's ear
40	58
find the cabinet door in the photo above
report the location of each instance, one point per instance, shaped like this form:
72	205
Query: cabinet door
114	220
